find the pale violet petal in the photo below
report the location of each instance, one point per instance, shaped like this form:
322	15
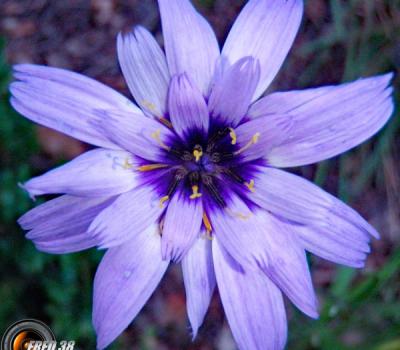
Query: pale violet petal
96	173
265	30
254	239
298	200
190	43
65	101
187	108
287	263
60	225
181	226
232	90
145	69
265	133
253	304
144	137
326	121
125	280
199	278
131	213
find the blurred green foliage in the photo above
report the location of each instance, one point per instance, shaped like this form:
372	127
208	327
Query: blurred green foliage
360	309
56	289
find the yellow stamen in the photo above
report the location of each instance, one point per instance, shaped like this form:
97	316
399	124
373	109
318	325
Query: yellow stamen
238	214
127	164
254	140
208	236
151	167
156	135
207	223
250	185
149	105
233	136
197	153
163	200
195	193
166	122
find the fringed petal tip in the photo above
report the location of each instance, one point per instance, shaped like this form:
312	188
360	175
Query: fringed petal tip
145	69
32	194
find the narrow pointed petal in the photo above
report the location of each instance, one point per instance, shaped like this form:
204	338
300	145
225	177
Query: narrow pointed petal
68	241
125	280
199	279
130	214
232	90
65	101
252	303
60	226
181	227
338	249
145	69
265	30
96	173
255	239
187	107
138	135
287	264
298	200
271	132
190	43
238	231
327	121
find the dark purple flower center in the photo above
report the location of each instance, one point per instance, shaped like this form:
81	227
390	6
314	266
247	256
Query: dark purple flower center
202	166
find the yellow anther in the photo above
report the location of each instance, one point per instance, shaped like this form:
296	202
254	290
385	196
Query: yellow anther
197	153
165	121
254	139
207	224
243	216
150	106
238	214
250	185
127	164
208	236
156	135
233	136
163	200
195	193
151	167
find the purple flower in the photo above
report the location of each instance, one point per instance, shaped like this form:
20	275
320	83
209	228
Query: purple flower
193	175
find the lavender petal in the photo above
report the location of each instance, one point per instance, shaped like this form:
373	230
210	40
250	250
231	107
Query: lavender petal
252	303
190	43
138	135
125	280
96	173
271	132
65	101
265	30
232	90
181	227
145	69
327	121
130	214
187	107
298	200
287	264
60	226
199	279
